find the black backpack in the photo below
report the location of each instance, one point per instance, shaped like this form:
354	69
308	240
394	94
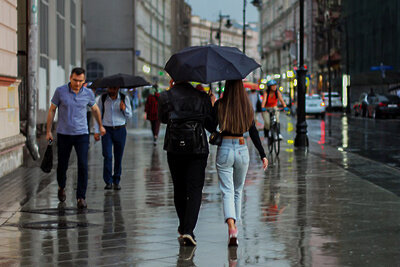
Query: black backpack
185	132
103	99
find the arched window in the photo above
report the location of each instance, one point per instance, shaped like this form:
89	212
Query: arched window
94	70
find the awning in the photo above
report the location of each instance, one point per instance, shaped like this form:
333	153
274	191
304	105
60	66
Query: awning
251	86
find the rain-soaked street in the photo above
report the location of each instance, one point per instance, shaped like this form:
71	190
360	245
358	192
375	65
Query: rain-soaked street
321	208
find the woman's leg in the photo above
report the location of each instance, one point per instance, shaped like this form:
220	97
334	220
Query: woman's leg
224	162
239	175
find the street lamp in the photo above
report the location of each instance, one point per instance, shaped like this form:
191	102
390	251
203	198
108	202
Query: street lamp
301	139
244	26
228	24
256	3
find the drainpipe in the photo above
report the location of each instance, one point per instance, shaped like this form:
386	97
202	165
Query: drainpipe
32	77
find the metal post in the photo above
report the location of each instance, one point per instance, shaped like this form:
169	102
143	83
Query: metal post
32	77
329	69
244	26
301	139
348	108
219	43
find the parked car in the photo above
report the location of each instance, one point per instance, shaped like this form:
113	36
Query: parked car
360	106
315	106
336	100
384	105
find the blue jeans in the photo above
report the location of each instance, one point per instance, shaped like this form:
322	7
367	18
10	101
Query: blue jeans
64	145
232	164
116	138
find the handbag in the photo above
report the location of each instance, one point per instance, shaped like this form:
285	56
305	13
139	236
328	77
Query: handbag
47	162
216	138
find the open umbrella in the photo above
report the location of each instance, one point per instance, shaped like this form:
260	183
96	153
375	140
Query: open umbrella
210	63
119	80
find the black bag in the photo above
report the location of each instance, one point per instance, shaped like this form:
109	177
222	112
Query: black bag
184	136
47	162
216	138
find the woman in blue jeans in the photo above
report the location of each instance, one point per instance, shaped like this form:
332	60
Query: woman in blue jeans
234	115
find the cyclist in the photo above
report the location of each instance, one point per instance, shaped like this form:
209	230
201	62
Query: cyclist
270	102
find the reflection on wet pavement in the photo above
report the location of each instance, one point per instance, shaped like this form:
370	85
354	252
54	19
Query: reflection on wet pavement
307	209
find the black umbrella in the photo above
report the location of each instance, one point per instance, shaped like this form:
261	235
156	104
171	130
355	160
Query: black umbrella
119	80
210	63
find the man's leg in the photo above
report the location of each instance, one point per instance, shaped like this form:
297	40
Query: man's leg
157	128
106	144
118	140
194	180
176	165
64	147
81	145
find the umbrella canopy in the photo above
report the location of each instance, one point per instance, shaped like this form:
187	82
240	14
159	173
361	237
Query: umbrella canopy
119	80
210	63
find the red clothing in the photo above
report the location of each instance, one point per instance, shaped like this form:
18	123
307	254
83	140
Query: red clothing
151	107
272	100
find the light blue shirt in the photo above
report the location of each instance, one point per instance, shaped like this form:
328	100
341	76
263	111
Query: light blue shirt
113	115
72	109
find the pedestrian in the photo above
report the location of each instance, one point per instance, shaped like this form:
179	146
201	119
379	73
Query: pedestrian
270	102
186	111
234	115
151	110
72	130
115	110
255	100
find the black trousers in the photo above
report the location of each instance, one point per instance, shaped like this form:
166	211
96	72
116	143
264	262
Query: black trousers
155	127
188	173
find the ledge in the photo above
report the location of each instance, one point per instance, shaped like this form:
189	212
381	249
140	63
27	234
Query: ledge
10	143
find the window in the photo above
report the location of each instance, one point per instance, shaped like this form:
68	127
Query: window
44	31
94	71
44	37
60	33
73	32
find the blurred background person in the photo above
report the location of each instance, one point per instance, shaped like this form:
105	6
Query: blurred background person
151	110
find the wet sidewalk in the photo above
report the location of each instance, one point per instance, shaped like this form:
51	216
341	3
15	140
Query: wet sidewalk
308	209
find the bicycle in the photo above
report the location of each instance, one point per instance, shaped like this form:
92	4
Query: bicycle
274	142
273	135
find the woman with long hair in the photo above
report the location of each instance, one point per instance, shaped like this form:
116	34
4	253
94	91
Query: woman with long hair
235	116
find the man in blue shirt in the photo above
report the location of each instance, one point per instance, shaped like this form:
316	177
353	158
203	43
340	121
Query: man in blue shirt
72	130
115	109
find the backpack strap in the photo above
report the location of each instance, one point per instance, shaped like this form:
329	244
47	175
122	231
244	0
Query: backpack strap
103	100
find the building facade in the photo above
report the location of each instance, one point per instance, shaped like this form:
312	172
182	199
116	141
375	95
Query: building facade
371	49
154	42
141	45
328	30
279	46
11	141
205	32
59	47
109	37
180	25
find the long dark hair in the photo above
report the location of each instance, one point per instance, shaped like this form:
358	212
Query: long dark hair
235	112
